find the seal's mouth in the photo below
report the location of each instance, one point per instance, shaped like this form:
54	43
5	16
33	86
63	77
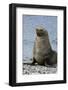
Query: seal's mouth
39	32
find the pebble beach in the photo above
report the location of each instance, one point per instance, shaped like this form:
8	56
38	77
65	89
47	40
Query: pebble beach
38	69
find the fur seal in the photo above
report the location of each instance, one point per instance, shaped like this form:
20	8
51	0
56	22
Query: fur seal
42	51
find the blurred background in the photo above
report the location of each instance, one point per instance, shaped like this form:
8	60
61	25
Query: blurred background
30	22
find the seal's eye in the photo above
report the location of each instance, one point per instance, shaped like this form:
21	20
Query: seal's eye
39	30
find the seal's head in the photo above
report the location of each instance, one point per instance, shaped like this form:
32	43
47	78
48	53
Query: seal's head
40	31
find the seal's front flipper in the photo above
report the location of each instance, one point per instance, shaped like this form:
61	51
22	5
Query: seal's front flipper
33	62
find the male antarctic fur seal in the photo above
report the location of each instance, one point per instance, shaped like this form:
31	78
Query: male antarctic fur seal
42	51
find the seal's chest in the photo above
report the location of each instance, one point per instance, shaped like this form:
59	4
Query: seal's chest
40	44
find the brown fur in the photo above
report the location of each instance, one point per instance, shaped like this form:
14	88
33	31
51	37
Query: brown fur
42	51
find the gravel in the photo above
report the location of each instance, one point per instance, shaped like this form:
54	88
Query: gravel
38	69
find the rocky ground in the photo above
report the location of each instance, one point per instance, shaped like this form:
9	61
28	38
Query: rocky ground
38	69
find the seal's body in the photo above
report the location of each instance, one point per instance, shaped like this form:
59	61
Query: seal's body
42	51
